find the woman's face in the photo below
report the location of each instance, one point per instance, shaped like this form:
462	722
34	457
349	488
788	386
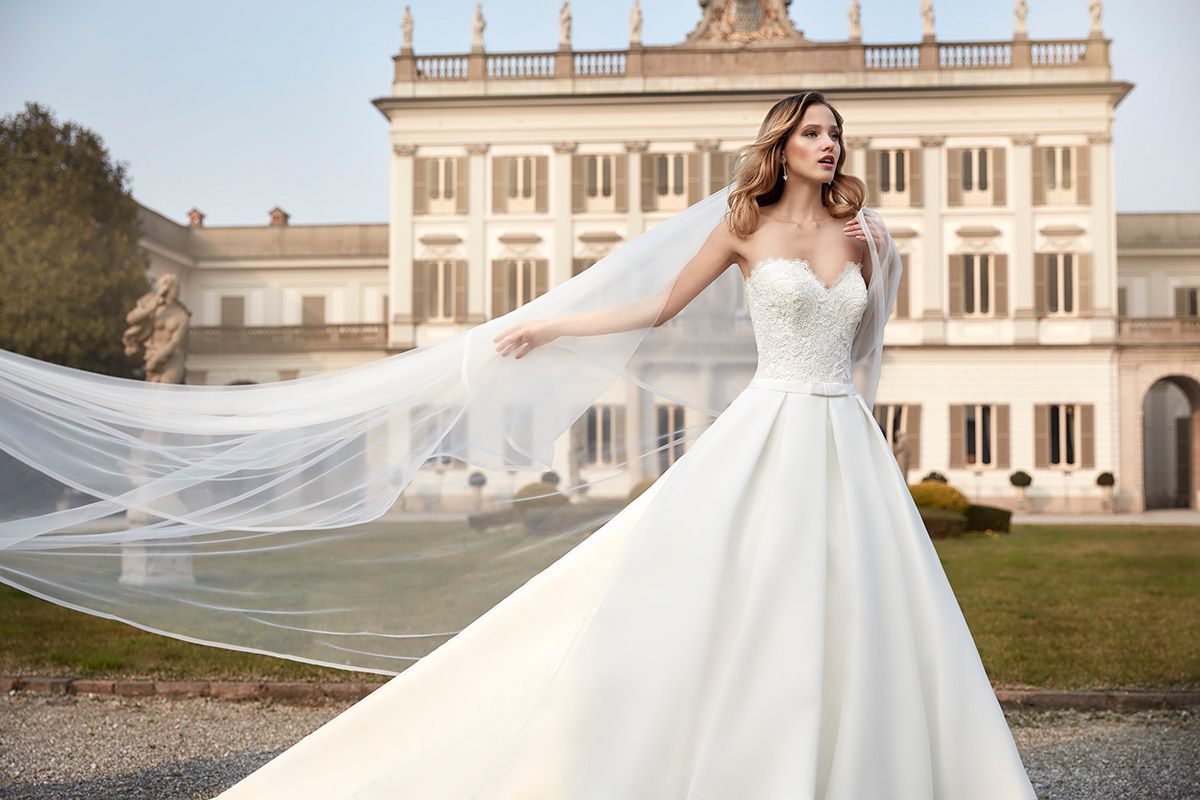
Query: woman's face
814	147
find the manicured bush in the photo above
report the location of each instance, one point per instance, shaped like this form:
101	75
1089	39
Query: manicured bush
935	494
1020	478
1105	479
988	518
942	523
935	476
540	495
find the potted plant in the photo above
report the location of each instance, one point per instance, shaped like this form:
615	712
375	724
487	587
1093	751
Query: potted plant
1105	481
477	480
1021	479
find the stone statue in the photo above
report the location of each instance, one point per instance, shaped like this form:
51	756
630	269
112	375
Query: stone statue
564	25
1096	9
158	326
1021	12
720	23
635	24
477	27
855	20
927	18
406	28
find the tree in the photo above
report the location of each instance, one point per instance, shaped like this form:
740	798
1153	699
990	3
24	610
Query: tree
70	264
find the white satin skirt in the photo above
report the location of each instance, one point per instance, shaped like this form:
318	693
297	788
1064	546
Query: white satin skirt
768	621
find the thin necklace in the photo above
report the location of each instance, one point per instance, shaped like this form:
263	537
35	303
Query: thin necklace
788	221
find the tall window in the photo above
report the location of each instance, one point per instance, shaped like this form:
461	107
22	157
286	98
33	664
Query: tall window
1063	431
1059	174
1187	301
670	180
233	311
441	182
1061	288
977	286
891	421
439	291
312	309
599	175
601	435
978	435
975	174
670	435
893	177
519	282
521	178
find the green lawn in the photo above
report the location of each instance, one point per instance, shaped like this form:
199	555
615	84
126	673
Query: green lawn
1049	607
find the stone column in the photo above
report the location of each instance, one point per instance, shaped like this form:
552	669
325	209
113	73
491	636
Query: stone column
933	266
560	208
478	192
703	148
636	221
401	331
1103	228
856	156
1021	261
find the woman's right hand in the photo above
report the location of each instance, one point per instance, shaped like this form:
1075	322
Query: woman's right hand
524	336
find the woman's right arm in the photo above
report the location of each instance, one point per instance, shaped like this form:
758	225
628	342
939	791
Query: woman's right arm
713	258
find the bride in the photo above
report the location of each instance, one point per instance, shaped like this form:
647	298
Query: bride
768	620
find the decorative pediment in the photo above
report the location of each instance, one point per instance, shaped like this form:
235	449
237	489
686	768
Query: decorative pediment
600	237
441	238
978	231
519	238
744	21
1062	230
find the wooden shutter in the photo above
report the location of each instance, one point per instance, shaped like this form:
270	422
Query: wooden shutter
541	192
1083	175
460	185
620	182
499	272
619	432
1040	268
916	177
693	177
499	184
541	276
717	173
460	291
1087	437
957	450
902	290
1000	281
1083	265
956	286
579	182
999	177
420	185
1181	301
1002	437
648	181
954	176
578	265
1039	175
1041	435
912	431
873	157
420	278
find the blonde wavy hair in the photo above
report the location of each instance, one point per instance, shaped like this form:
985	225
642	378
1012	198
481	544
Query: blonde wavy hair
759	181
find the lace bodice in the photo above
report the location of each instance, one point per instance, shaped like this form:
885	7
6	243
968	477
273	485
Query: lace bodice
803	329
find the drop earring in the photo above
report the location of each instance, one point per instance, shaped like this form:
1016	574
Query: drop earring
784	168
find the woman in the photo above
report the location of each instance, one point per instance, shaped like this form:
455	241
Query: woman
768	620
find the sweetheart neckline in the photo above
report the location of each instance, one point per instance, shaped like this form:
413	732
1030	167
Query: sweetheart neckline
808	268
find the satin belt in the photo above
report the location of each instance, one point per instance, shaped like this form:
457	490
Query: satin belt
825	388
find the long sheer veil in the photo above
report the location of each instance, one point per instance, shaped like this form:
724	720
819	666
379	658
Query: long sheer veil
359	518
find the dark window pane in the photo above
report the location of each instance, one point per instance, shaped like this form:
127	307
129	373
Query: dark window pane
591	176
1051	169
606	433
983	171
1066	168
1068	281
527	173
448	178
969	284
1070	411
1052	278
985	299
899	170
512	177
591	435
967	184
885	171
661	174
606	185
1055	455
678	176
969	416
986	434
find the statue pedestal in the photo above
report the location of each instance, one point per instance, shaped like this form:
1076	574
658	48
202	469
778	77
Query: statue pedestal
157	564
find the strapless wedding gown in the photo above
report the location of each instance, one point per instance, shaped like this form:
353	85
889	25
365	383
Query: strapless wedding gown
769	620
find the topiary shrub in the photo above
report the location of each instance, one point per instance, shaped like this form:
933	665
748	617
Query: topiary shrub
1020	478
934	494
638	488
935	476
988	518
942	523
1105	479
538	495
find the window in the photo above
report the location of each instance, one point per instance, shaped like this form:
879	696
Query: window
977	286
519	283
978	435
974	171
385	309
893	177
602	432
1063	435
1061	289
1122	302
1059	177
439	291
520	183
891	422
441	180
599	182
312	310
975	176
670	181
1187	301
233	312
670	435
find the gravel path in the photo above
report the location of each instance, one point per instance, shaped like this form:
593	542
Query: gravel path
96	747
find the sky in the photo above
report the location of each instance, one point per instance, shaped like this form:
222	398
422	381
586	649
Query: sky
236	107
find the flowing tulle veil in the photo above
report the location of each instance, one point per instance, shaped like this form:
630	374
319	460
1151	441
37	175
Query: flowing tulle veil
330	519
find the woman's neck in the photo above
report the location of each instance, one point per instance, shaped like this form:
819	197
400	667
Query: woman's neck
800	203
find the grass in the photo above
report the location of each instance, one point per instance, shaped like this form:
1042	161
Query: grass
1081	607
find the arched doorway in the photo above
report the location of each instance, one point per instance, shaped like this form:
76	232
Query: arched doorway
1171	443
